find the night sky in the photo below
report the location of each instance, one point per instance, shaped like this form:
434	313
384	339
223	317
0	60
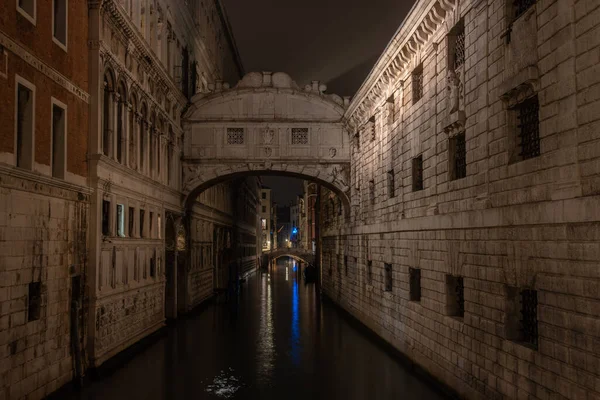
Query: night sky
334	41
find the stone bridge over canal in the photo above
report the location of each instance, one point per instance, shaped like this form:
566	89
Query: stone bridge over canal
298	254
266	125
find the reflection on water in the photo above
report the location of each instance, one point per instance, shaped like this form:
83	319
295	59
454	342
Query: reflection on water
277	341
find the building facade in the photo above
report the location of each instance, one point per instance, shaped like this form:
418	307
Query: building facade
147	59
266	220
471	243
44	100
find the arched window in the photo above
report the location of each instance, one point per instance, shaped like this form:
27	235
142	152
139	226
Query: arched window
107	115
143	135
122	101
132	133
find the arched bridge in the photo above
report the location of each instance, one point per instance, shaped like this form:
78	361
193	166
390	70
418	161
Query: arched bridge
296	253
266	125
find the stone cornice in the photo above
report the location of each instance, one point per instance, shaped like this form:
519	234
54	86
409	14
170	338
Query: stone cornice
413	36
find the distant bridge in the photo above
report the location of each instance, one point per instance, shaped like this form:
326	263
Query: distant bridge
297	253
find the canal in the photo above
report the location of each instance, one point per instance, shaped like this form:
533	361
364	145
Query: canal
277	341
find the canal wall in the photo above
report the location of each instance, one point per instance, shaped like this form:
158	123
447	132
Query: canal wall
471	240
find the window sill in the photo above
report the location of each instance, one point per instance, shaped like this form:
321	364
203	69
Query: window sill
60	44
27	16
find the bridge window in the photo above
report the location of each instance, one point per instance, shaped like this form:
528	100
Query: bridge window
300	136
235	136
387	270
455	294
414	276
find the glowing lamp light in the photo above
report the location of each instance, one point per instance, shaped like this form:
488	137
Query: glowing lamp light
295	230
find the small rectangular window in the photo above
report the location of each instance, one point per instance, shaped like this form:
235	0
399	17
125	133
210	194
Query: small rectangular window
529	128
417	84
27	8
142	218
120	220
60	22
458	156
59	147
388	277
300	136
455	295
131	222
235	136
414	277
105	217
417	173
34	301
391	183
25	125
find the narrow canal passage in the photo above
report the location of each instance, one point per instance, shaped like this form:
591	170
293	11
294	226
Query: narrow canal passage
278	341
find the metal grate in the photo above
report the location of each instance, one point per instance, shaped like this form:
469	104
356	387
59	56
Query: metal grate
235	135
300	136
415	284
460	156
459	291
520	6
417	172
529	128
417	84
459	48
529	322
388	277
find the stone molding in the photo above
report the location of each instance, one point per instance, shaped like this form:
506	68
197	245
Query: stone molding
410	41
50	72
521	86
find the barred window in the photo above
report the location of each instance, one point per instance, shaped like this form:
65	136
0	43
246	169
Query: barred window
391	183
458	156
520	6
529	322
455	296
417	173
414	275
300	136
235	135
388	277
528	126
417	84
459	45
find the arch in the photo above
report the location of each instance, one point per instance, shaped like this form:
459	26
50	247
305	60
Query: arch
198	178
107	111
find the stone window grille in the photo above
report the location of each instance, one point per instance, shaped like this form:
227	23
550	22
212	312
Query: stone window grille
372	191
529	321
414	277
235	136
417	84
131	221
299	136
528	127
105	217
459	45
120	220
455	296
520	6
391	183
388	277
34	301
417	173
458	156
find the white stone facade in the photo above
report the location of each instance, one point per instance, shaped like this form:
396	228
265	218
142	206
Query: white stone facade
480	245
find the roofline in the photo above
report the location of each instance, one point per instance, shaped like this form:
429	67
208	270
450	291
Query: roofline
230	38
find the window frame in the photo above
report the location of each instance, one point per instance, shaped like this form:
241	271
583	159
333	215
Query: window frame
19	80
57	41
26	15
57	103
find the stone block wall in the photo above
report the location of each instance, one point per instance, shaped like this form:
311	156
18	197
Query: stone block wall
512	225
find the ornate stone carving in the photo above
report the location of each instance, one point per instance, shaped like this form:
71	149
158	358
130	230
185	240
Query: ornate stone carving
268	134
453	92
332	152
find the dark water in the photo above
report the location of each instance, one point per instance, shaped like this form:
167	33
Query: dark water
278	341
